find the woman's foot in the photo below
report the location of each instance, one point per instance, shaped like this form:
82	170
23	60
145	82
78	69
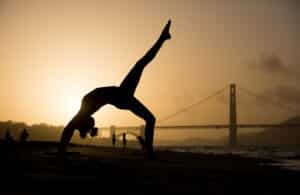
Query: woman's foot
166	31
149	150
150	153
141	141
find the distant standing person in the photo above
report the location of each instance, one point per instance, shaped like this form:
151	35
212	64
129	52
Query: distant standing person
113	139
121	97
124	141
24	136
8	137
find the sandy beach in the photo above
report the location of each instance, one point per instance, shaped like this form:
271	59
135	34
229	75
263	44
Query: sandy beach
33	168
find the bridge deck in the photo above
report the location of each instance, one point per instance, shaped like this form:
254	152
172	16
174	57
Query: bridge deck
220	126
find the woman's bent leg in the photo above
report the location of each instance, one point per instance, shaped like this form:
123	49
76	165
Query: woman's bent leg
140	110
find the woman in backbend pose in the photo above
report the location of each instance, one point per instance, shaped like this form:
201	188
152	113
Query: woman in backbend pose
122	97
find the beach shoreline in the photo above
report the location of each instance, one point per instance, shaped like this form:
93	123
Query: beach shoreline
34	169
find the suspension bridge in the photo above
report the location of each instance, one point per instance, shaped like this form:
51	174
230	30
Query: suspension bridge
232	124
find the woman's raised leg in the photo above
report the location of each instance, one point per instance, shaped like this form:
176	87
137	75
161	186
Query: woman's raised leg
132	79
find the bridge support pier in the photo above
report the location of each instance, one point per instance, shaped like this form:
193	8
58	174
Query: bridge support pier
232	117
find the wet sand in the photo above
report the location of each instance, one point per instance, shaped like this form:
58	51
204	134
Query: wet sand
33	168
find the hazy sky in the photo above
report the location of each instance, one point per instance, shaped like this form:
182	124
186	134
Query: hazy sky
53	52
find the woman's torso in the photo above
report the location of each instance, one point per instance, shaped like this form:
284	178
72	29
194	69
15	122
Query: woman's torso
98	97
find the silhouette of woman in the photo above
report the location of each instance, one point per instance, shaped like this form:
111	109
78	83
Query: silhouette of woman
121	97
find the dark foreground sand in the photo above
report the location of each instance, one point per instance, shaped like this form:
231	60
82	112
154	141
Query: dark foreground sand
34	169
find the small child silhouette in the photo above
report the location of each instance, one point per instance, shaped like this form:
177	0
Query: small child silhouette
120	96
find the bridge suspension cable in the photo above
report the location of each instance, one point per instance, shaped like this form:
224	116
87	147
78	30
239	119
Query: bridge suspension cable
186	108
269	100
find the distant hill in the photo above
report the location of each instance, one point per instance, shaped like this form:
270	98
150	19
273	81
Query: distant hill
41	131
274	136
47	133
270	136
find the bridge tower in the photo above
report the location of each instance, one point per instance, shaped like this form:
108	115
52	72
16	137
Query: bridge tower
232	117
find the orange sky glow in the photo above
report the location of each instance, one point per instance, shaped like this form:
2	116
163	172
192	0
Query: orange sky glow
53	52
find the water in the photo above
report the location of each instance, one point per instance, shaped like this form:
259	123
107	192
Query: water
182	140
286	157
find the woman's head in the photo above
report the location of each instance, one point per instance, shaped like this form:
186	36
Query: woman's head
85	125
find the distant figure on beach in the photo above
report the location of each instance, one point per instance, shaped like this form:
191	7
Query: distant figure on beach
24	136
8	137
113	139
121	97
124	141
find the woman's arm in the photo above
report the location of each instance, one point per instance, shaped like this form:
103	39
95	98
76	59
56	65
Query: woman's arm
65	139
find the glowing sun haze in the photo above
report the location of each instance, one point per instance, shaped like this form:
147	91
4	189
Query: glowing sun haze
54	52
